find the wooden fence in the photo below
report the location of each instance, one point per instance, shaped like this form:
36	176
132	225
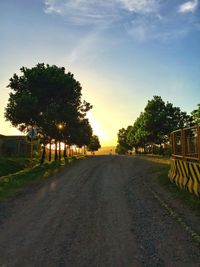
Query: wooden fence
186	144
185	163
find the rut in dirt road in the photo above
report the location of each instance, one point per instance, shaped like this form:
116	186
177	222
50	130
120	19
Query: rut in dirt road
97	212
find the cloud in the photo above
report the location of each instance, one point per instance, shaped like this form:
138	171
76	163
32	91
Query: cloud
189	6
87	10
142	19
141	6
90	41
83	12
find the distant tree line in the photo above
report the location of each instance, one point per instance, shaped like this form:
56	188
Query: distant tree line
48	99
151	130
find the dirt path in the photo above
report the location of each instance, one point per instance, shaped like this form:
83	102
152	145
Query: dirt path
99	212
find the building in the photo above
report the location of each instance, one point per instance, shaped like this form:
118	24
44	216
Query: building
14	146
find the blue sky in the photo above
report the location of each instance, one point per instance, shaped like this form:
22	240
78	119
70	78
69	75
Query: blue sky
122	51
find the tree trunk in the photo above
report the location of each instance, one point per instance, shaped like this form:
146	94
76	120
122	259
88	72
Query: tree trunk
56	152
65	151
72	152
50	151
59	150
161	150
43	155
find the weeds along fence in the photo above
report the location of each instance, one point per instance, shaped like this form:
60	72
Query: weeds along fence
185	165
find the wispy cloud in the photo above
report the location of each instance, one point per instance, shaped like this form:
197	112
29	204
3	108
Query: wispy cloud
87	11
142	19
189	6
141	6
88	44
83	11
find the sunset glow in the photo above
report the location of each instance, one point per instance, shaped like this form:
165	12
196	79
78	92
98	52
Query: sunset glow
122	56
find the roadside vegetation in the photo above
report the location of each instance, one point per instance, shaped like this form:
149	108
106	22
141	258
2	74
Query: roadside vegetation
14	182
160	169
150	132
12	165
46	102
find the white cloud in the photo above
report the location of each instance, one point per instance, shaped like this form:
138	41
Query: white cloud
189	6
91	40
141	6
100	8
142	19
84	11
51	7
157	28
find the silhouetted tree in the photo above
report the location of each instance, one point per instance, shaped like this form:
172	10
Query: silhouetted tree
153	126
94	144
122	146
45	96
196	115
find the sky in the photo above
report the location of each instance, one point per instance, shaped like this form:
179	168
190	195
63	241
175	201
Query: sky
123	52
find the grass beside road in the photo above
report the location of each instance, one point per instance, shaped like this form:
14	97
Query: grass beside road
160	168
13	183
12	165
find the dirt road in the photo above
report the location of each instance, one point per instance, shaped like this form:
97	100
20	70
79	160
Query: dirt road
97	212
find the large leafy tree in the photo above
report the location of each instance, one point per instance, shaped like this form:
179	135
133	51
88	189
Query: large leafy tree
45	96
79	133
175	119
154	125
122	146
137	135
94	143
163	118
155	118
196	115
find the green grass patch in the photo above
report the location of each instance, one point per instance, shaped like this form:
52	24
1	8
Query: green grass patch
12	165
156	158
161	168
191	200
13	183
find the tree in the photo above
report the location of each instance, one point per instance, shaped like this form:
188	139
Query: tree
79	133
153	126
45	96
121	150
162	118
94	144
137	135
123	146
175	118
155	118
196	115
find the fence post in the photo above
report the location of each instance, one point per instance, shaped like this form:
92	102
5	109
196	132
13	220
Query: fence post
198	142
183	143
173	144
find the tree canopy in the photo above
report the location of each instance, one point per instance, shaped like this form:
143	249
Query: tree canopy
122	146
45	97
94	144
153	126
196	115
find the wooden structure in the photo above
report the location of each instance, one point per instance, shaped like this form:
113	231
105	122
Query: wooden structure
185	164
15	146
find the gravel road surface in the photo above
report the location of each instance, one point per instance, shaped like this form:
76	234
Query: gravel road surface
97	212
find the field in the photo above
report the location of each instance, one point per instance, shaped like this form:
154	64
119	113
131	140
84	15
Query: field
107	150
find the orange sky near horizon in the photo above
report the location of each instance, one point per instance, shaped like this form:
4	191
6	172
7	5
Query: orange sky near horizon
120	63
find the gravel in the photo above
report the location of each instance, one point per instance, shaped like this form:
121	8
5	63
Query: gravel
97	212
